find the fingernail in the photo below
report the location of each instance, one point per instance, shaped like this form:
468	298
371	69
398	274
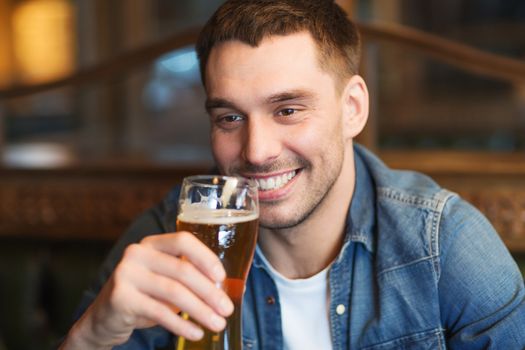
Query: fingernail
226	306
218	272
217	322
196	333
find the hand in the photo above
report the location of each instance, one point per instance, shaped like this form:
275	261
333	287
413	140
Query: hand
156	280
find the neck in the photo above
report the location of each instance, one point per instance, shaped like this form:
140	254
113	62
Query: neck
308	248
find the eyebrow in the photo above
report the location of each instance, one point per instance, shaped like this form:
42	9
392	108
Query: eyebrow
290	95
213	103
217	102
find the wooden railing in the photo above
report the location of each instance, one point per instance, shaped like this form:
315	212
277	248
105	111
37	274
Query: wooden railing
115	66
456	54
459	55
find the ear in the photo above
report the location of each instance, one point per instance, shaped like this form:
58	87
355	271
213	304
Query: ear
355	106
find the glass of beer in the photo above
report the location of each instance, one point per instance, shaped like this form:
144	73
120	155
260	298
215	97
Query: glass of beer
223	212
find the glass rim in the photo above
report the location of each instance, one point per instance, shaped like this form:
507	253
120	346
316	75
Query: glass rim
197	180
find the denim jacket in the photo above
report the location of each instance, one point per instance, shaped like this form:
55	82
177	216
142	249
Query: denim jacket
419	269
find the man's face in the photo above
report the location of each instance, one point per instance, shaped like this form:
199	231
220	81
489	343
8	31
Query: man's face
276	117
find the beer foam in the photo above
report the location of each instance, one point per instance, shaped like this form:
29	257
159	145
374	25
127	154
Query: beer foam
217	217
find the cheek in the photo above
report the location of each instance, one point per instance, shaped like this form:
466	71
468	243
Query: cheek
315	138
225	149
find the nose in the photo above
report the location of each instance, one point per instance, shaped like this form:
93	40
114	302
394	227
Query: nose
262	142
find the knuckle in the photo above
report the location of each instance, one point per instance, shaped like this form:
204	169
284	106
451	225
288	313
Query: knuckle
117	295
186	237
182	267
120	273
147	240
168	287
132	251
158	312
179	268
170	290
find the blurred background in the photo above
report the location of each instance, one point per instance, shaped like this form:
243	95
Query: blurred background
101	113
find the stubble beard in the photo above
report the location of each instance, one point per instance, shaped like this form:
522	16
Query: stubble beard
313	197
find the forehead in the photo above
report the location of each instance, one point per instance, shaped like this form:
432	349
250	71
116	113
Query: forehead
280	58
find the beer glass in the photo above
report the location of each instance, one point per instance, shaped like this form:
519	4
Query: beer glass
223	213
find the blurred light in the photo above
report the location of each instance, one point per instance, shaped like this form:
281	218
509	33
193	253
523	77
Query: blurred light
180	61
176	74
43	39
5	45
37	155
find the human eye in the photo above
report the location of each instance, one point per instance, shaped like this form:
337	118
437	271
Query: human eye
286	112
228	121
290	114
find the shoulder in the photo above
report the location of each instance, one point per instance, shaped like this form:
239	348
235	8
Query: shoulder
408	199
416	218
470	246
427	236
481	289
408	207
404	186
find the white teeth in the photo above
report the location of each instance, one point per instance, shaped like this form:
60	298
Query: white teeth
275	182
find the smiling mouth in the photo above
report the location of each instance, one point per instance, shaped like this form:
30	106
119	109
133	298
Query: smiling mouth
275	182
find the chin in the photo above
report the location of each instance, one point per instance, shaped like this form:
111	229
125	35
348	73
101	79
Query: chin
280	222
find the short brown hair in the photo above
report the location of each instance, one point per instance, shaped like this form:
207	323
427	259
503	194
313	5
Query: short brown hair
250	21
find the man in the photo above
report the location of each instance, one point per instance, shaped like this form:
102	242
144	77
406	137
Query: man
350	254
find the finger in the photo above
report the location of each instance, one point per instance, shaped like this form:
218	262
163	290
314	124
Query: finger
161	313
186	244
175	293
188	275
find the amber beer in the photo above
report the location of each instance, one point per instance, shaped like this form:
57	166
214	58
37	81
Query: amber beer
232	235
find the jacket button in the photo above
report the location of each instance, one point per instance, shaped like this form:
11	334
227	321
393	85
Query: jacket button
270	300
340	309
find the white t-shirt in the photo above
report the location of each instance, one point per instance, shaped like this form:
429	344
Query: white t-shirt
304	309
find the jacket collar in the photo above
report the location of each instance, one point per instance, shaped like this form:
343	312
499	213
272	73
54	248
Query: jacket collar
360	221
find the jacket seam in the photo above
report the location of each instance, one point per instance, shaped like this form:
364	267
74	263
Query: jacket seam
410	338
413	262
436	223
414	200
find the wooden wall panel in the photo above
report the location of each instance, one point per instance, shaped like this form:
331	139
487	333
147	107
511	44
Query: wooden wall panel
72	204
